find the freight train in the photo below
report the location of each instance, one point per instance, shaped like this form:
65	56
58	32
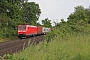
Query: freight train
25	30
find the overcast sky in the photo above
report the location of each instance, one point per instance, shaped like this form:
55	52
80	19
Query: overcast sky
57	9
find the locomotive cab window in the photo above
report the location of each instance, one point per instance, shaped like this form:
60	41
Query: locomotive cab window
22	27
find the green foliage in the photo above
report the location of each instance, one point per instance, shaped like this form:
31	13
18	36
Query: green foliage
77	24
8	56
88	12
46	22
31	12
79	14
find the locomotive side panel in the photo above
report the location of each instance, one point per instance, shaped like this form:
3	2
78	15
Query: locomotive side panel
31	30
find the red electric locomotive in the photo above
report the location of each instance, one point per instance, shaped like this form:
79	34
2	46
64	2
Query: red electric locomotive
28	30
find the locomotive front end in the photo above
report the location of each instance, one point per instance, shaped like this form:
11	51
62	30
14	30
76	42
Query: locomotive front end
21	30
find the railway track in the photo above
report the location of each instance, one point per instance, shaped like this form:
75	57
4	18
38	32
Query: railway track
14	46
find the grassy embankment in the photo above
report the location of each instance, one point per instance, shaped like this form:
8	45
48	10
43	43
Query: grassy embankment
75	47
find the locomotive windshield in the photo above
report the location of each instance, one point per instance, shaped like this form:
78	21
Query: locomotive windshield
22	27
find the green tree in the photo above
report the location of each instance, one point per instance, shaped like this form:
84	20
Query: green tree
79	16
61	23
46	22
31	12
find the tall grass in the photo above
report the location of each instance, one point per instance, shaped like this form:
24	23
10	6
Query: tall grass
72	48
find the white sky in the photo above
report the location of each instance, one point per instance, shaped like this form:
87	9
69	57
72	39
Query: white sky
57	9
